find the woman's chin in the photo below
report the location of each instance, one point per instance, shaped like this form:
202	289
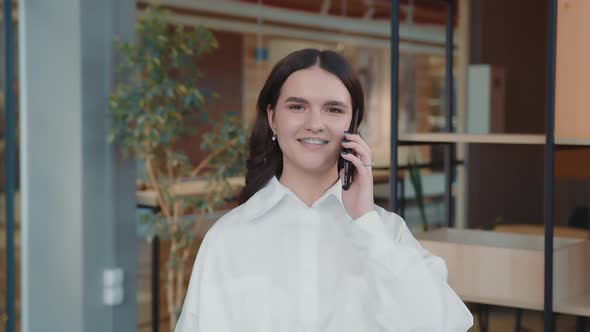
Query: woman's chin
316	166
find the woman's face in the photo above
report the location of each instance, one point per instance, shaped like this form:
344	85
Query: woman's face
313	111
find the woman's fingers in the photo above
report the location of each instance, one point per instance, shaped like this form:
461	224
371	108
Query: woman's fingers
357	138
358	163
359	150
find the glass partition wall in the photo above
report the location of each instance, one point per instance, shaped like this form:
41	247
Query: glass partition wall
254	35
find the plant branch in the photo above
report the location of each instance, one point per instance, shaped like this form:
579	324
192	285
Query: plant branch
205	162
180	277
153	180
169	165
170	293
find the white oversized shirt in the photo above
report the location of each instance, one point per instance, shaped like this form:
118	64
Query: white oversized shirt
273	264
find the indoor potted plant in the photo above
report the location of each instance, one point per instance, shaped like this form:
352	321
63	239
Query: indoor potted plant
157	102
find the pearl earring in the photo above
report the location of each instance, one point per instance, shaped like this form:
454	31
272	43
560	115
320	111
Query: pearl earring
274	137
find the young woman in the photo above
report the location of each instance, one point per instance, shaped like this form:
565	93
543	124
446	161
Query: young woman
300	253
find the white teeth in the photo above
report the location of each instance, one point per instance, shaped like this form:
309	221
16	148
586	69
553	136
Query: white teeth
314	141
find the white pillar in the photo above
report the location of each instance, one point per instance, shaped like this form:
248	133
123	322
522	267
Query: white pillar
78	214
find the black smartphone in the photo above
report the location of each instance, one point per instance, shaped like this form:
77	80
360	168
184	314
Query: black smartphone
347	165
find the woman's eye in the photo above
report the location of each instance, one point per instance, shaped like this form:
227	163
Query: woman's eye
296	107
335	110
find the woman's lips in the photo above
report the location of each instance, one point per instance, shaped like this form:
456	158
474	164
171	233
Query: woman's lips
312	146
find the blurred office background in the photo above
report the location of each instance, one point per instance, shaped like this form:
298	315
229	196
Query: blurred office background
85	261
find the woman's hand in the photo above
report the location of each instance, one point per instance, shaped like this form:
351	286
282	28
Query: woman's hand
358	199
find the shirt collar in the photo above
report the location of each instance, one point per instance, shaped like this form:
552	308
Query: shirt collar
274	191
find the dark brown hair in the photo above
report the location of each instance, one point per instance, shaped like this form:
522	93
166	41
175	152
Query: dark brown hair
266	157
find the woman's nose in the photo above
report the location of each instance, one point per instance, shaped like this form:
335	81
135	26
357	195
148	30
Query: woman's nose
314	121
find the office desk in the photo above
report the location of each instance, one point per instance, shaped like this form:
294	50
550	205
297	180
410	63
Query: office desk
507	269
148	197
530	229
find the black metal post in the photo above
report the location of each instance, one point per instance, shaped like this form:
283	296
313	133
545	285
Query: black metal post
155	283
449	105
549	146
518	320
9	160
155	275
393	204
449	67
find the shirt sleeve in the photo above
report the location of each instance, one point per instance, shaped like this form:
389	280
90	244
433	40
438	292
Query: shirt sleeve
411	282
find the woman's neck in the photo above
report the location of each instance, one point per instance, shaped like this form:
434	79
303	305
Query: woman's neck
308	186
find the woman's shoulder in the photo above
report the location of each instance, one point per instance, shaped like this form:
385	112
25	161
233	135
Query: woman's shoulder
229	220
241	215
223	227
383	213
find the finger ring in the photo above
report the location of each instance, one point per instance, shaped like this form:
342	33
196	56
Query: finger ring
371	165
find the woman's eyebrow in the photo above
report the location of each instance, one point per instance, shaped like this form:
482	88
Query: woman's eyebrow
296	100
335	103
304	101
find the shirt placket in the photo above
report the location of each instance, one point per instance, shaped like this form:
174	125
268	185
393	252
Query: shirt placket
308	247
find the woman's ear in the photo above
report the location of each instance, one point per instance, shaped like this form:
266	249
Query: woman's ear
270	117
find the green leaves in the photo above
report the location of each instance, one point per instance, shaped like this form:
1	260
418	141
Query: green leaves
416	180
157	97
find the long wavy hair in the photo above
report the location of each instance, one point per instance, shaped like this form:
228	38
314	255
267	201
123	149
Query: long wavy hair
266	157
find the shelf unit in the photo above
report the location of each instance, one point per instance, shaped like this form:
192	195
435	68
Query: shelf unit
533	139
471	138
579	137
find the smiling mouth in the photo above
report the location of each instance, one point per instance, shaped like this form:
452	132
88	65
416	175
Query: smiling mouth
315	141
